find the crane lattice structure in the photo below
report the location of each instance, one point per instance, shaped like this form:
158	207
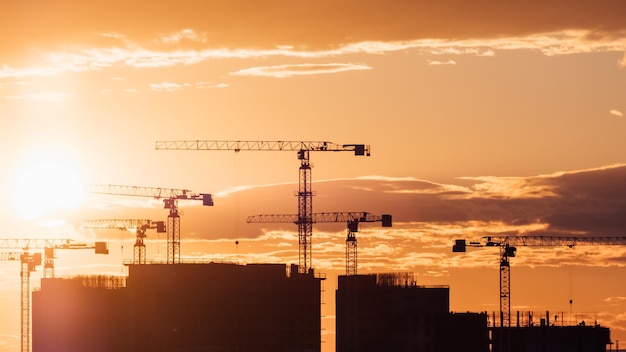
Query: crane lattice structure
508	247
305	194
351	218
141	226
29	262
170	197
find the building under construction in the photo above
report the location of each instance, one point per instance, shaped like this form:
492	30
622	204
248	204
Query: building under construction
526	336
271	307
390	312
181	307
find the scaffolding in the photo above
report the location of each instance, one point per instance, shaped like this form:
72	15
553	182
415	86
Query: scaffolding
108	282
399	279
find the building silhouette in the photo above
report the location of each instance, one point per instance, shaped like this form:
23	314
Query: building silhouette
271	307
390	312
181	307
545	337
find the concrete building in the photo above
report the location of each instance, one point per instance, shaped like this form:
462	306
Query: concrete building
266	307
181	307
545	337
389	312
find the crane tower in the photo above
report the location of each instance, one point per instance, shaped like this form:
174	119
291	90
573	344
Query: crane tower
29	262
170	198
351	218
305	194
508	248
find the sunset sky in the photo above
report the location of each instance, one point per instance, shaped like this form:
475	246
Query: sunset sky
484	117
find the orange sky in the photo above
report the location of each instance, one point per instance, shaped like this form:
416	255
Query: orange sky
483	117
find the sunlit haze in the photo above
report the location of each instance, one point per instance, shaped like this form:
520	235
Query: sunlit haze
47	180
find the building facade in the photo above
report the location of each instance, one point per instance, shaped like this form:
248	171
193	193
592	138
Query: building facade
389	312
181	307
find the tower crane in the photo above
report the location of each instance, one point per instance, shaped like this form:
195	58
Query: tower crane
508	248
351	218
170	198
29	262
305	194
141	226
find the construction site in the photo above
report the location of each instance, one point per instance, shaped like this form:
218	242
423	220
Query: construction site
186	304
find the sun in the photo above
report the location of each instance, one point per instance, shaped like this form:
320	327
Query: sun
47	180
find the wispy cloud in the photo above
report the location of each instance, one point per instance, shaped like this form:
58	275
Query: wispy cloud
439	63
184	35
282	71
243	24
427	218
615	112
168	86
210	85
125	53
575	202
615	299
509	187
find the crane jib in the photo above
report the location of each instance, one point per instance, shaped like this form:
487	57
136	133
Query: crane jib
237	146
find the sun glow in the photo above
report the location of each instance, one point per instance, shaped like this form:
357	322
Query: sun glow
47	180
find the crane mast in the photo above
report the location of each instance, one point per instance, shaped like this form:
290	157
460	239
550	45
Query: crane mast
351	218
29	262
139	225
170	197
508	248
305	193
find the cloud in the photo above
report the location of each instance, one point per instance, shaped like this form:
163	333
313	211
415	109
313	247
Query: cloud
282	71
168	86
90	56
98	36
509	187
239	23
582	202
615	299
184	35
622	63
616	113
210	85
438	63
427	218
